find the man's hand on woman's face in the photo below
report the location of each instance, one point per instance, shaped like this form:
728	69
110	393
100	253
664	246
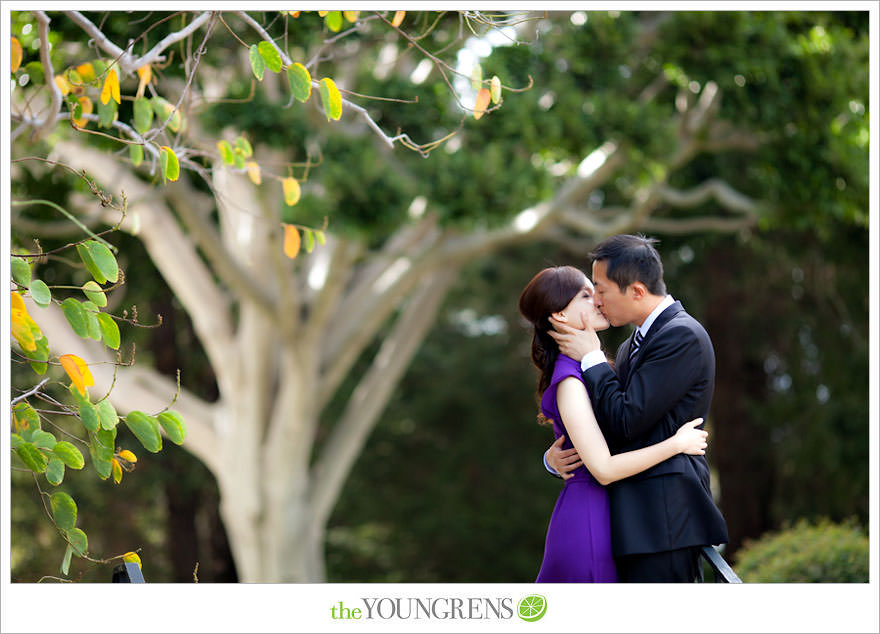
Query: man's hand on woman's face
573	342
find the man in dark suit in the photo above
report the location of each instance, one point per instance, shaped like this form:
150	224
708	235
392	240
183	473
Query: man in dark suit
665	375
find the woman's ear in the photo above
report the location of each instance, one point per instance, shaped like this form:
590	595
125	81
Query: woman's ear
560	317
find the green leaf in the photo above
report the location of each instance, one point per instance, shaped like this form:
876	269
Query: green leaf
226	152
107	414
41	354
69	454
78	541
65	563
300	82
170	164
55	471
63	510
101	454
40	293
104	260
92	317
79	398
321	237
238	159
21	271
270	56
136	154
25	418
76	315
15	441
146	430
94	292
331	98
244	146
310	240
143	115
106	113
109	330
174	426
164	111
88	413
43	440
333	20
258	65
34	70
86	256
32	457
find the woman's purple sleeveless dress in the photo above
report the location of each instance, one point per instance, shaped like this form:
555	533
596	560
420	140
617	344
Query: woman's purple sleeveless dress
578	546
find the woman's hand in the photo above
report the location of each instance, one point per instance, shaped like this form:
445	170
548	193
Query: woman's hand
563	461
691	440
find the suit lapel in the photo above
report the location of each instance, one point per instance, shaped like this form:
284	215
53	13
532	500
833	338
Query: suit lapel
626	366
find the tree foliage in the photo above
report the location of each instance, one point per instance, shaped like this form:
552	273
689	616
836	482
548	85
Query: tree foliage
48	455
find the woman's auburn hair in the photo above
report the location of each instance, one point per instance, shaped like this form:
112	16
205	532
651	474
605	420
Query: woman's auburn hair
548	292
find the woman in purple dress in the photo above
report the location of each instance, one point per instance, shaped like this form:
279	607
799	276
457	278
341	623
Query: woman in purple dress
578	545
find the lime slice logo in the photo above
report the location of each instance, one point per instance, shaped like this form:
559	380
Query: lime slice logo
532	607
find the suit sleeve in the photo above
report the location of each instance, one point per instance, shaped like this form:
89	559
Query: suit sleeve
668	369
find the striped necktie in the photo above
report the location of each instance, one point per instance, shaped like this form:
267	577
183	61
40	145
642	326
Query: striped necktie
636	344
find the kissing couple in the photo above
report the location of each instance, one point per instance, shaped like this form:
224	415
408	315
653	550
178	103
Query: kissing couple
635	504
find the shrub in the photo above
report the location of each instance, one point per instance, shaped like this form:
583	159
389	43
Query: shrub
824	552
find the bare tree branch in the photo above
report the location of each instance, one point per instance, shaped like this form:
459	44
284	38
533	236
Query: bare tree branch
49	74
715	188
371	395
127	63
681	226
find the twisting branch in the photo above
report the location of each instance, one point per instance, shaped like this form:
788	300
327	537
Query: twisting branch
49	73
31	392
127	63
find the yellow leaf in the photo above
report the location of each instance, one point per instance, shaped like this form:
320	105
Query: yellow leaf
127	455
495	90
117	471
482	103
87	108
17	54
17	303
111	88
292	241
21	330
351	16
331	99
86	72
253	170
78	371
63	84
398	18
133	558
294	14
323	13
145	75
291	190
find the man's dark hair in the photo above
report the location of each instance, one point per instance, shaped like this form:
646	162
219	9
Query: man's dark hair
632	258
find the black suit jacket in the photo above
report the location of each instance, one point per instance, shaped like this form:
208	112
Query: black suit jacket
669	382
